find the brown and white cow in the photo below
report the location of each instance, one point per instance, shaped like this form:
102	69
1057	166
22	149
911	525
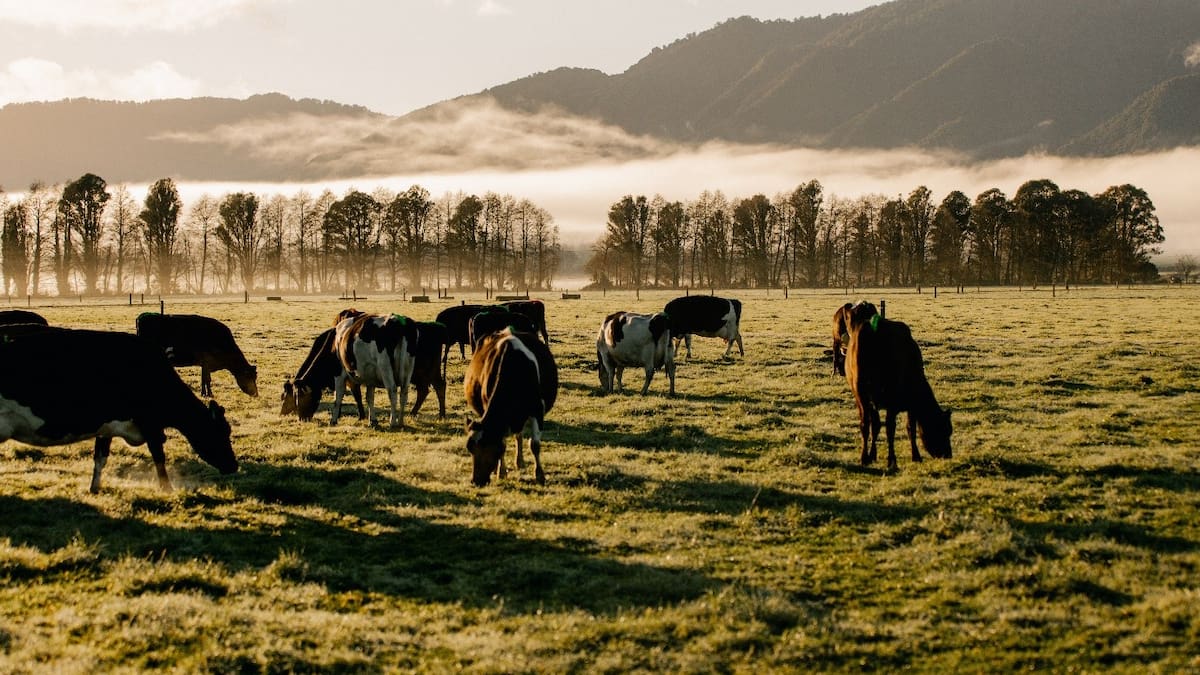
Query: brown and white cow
511	383
706	316
61	386
375	351
630	339
193	340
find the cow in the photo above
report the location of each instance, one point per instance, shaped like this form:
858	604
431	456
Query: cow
841	335
427	372
193	340
302	393
535	310
9	317
457	320
375	351
706	316
63	385
511	383
629	339
885	370
491	319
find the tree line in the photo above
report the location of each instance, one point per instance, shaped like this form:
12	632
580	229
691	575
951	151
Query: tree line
803	238
84	238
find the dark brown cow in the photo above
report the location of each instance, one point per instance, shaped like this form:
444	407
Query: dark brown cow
302	394
375	351
491	319
61	386
193	340
885	370
512	380
15	316
535	310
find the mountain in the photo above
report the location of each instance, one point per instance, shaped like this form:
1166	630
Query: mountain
990	78
985	78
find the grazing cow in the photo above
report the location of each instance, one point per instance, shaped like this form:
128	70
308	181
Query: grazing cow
427	372
706	316
14	316
491	319
62	386
457	321
629	339
535	310
375	351
193	340
512	380
885	370
302	393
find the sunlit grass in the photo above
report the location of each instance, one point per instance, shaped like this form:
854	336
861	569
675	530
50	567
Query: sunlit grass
729	528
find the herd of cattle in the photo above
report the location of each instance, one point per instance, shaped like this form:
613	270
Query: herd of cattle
133	392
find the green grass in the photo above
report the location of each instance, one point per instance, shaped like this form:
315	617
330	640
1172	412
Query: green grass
727	530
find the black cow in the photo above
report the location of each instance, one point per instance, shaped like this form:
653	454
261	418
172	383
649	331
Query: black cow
194	340
706	316
302	394
512	381
457	321
61	386
491	319
535	310
427	372
15	316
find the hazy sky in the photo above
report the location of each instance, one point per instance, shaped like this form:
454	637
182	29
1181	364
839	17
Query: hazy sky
392	56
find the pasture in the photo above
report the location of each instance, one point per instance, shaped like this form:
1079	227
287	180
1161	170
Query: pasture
729	529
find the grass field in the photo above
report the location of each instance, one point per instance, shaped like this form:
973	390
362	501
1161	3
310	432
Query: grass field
727	530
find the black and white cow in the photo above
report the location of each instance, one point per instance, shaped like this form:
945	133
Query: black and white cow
491	319
629	339
193	340
375	351
61	386
318	373
511	383
706	316
535	310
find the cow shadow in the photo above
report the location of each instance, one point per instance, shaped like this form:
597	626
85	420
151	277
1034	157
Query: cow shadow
683	438
342	529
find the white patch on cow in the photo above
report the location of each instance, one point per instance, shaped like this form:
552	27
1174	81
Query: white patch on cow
637	347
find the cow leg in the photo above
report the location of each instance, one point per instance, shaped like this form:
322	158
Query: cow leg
687	341
864	428
535	446
396	417
912	436
339	391
160	462
875	426
649	376
205	381
728	348
99	459
741	351
422	394
670	368
890	423
618	374
439	387
521	448
356	392
370	400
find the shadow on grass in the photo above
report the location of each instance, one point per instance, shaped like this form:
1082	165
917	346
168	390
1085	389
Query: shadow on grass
361	547
1164	479
685	438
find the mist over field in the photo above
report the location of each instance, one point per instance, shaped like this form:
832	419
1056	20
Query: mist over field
576	168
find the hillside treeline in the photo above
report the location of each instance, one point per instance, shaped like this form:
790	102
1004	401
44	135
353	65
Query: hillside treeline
803	238
84	238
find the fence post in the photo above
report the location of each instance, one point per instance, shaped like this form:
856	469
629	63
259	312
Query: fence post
883	309
935	291
162	306
247	294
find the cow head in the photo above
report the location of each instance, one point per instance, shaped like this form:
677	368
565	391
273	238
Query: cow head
288	398
486	453
934	430
214	445
247	380
308	399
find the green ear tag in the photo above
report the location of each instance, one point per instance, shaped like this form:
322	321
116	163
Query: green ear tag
874	322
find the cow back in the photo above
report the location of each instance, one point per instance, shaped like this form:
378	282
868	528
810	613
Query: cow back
20	316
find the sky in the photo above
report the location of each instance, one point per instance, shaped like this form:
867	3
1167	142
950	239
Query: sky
392	56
